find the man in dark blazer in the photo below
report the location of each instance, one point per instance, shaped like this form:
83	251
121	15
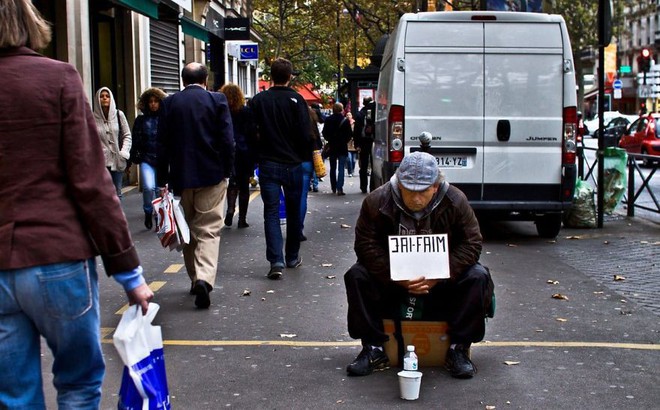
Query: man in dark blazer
195	156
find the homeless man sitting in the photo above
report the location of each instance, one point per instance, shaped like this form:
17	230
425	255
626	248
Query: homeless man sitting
417	201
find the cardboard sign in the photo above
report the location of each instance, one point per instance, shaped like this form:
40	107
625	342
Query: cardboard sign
412	256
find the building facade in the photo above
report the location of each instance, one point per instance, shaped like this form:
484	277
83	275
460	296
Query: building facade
130	45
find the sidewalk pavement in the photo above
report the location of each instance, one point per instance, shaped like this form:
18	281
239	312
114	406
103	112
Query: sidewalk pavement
283	344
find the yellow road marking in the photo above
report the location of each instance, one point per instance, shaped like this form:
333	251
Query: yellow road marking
254	195
604	345
154	286
106	331
174	268
352	343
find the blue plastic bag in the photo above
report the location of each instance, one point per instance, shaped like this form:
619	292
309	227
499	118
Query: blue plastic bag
140	346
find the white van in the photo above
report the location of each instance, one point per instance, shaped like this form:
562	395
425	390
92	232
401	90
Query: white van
496	91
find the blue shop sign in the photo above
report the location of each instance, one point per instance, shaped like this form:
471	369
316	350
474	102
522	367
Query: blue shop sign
249	52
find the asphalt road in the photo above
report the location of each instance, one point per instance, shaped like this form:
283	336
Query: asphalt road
283	344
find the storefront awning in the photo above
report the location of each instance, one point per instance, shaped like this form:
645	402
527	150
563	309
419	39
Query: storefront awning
194	29
147	7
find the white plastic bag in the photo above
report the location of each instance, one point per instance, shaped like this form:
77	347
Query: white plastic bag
140	346
171	227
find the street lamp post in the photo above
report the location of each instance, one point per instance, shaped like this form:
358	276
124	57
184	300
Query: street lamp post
354	17
338	54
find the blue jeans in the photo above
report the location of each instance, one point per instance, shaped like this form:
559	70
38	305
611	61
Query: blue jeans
274	177
308	170
315	180
117	181
149	188
61	303
337	172
350	162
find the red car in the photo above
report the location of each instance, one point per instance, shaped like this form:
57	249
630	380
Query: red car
641	137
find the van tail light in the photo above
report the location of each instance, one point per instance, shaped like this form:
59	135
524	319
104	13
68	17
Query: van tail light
570	136
395	134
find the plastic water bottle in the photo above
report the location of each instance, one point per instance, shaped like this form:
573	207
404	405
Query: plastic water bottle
410	359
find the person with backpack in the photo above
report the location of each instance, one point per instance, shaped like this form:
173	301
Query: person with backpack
364	138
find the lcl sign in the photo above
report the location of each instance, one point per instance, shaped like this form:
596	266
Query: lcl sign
248	52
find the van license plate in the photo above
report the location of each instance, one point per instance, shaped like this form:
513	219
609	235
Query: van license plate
451	162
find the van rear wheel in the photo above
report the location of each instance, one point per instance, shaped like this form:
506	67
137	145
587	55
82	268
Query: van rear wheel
548	225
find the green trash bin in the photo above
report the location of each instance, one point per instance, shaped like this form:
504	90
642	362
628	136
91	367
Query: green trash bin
615	164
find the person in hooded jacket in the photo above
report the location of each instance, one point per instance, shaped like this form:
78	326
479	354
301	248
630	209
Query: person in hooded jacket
115	135
144	147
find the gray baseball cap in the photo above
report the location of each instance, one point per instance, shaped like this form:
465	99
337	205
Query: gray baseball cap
418	171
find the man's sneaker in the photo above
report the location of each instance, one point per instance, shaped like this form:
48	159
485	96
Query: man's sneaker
367	361
274	273
458	363
295	263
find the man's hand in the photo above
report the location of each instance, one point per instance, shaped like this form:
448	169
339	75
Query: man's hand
141	295
419	286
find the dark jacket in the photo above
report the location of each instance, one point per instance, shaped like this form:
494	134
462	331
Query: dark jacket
145	132
282	125
195	140
337	133
58	202
449	213
363	132
245	136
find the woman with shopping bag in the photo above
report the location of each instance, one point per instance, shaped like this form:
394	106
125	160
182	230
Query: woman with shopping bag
58	211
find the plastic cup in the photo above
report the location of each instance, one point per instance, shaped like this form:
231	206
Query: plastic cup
409	384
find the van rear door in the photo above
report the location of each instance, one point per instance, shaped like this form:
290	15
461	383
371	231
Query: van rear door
490	93
444	94
523	108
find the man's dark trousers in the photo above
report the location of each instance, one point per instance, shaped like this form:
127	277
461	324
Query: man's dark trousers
364	161
460	302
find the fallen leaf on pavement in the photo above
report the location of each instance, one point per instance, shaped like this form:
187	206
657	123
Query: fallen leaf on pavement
270	291
510	363
345	226
598	292
263	299
619	277
559	296
330	277
288	335
574	237
246	292
606	242
326	265
561	319
552	282
490	407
